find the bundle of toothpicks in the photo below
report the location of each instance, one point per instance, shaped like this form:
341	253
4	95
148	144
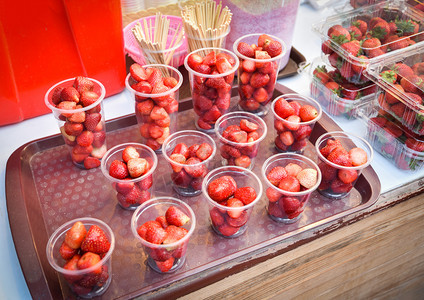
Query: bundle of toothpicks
153	39
206	24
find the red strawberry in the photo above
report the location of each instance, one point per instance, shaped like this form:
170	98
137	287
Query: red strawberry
330	145
222	65
287	138
182	148
216	217
142	229
85	139
274	48
283	108
70	94
67	252
170	82
276	174
75	235
259	80
118	169
129	152
73	129
56	95
248	126
290	184
303	132
234	203
328	172
175	216
165	266
403	70
339	156
339	187
179	158
195	168
91	162
174	233
72	265
243	161
204	152
95	241
124	187
146	183
194	60
155	235
91	121
307	177
88	260
238	136
308	113
245	49
99	139
246	194
138	72
222	188
82	84
290	204
142	87
162	221
339	34
347	175
352	47
181	179
88	97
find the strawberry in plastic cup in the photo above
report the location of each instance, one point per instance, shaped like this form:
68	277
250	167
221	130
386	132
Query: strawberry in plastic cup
342	157
129	167
81	252
211	73
290	179
231	193
294	119
189	154
239	134
164	226
155	89
260	56
77	104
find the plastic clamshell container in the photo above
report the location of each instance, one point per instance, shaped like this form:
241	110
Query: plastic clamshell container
392	140
403	99
387	10
335	105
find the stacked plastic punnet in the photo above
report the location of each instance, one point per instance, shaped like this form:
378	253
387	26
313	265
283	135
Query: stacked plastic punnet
396	124
356	39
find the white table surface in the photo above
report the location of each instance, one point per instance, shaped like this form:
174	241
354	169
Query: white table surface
12	281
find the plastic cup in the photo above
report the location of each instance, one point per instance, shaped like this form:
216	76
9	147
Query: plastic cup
292	136
83	129
256	86
198	42
227	221
284	206
131	192
187	178
211	93
79	280
163	258
156	113
236	153
338	181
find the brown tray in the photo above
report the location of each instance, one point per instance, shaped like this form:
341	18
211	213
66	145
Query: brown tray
44	190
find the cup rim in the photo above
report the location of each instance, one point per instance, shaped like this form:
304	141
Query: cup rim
54	238
151	202
174	89
188	132
233	69
316	104
121	147
239	170
278	57
247	114
209	39
346	135
292	155
77	110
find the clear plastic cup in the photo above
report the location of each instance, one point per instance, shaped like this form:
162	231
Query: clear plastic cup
293	135
257	77
337	180
187	176
211	93
284	206
131	192
163	258
230	219
198	42
234	152
83	127
156	113
81	281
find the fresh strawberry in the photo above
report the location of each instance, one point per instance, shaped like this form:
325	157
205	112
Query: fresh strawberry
170	82
174	233
70	94
88	260
403	70
274	48
263	40
138	72
307	177
347	175
149	225
303	132
204	151
175	216
222	188
330	145
118	169
248	126
276	174
165	266
194	60
91	162
339	187
388	76
352	47
234	203
328	172
95	241
290	184
155	235
82	84
142	87
129	152
339	156
339	34
245	49
88	98
246	194
361	25
287	138
75	235
137	167
178	158
195	168
72	265
308	113
259	80
290	204
67	252
357	156
283	108
273	195
243	161
92	120
182	148
85	139
293	169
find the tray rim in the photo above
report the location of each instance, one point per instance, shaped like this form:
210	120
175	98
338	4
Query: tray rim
46	286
